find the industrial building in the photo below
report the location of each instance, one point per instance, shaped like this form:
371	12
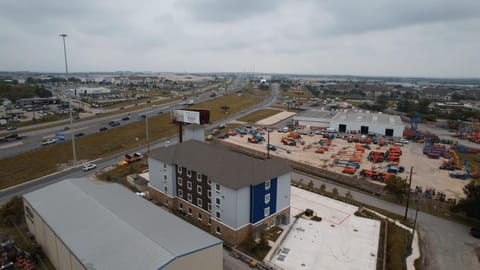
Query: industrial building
368	122
314	118
81	224
232	194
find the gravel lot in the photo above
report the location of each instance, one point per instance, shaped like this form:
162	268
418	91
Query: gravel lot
426	172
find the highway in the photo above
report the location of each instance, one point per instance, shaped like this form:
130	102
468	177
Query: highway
33	140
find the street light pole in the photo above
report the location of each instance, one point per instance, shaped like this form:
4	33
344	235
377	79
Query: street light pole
147	133
408	193
69	102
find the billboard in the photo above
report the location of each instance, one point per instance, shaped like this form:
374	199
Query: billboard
191	116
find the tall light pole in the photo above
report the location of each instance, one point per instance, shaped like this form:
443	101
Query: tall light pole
147	132
69	102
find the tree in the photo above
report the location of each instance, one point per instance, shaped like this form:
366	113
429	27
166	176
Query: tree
335	192
310	185
323	187
12	211
225	108
471	204
263	238
397	186
348	195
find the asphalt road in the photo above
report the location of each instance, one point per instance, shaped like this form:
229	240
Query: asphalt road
448	245
33	140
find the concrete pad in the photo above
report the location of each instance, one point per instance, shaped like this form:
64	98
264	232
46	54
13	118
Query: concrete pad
340	241
275	118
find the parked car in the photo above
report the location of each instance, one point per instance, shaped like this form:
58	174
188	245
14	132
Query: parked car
89	166
103	129
49	141
271	147
11	128
80	134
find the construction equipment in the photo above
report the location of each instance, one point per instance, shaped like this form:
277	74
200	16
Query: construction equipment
130	158
369	173
288	141
376	156
294	135
349	170
395	169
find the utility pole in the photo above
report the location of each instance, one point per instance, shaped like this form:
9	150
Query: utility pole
408	193
69	102
147	132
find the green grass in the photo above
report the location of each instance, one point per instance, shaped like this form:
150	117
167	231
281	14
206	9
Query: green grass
236	103
46	160
397	241
258	115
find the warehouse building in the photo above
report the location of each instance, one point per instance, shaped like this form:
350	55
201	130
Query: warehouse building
366	122
81	224
314	118
231	194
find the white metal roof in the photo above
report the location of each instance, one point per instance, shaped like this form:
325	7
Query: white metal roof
368	117
108	227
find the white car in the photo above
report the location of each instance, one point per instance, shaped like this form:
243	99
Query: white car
49	141
403	141
88	167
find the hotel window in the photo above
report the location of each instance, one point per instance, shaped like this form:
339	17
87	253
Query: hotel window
180	206
165	177
199	190
166	202
199	202
190	211
189	173
199	216
179	169
209	221
267	198
209	182
209	207
189	197
180	193
267	185
217	187
199	177
266	211
209	194
217	202
179	181
218	230
165	188
189	185
164	165
217	215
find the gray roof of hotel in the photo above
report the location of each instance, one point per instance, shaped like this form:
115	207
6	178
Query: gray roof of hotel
364	117
106	226
225	166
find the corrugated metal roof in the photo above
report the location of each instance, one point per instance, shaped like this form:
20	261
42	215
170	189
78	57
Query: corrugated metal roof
231	169
364	117
108	227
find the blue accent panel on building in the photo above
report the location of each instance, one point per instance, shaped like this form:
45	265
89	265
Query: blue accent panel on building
257	200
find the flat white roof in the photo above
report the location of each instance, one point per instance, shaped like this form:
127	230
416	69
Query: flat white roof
340	241
368	117
106	226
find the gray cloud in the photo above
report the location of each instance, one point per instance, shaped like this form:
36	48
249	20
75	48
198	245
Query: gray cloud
369	37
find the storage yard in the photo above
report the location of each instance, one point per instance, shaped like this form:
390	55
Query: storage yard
369	157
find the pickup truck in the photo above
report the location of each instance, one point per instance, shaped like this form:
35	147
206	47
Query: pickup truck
130	158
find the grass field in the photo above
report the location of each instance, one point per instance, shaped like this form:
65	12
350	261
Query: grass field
258	115
31	165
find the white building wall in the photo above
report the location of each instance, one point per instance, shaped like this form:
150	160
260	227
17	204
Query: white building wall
157	172
243	207
372	127
283	191
227	207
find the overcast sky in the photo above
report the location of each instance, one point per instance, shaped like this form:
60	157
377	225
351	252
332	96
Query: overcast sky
439	38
